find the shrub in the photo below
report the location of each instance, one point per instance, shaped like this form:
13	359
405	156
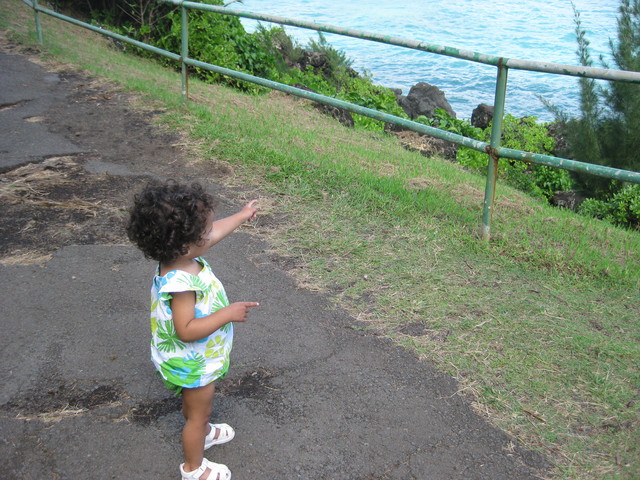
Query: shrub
528	135
361	90
220	40
284	49
520	134
309	79
622	209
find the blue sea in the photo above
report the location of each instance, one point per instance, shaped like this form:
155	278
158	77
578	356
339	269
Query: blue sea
542	30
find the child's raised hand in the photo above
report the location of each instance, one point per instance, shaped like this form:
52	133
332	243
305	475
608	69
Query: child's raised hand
238	311
249	210
223	227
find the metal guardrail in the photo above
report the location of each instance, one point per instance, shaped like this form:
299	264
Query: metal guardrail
493	148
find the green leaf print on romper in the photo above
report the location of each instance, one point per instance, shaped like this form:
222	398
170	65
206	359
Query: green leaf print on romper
170	340
220	300
154	319
195	283
183	372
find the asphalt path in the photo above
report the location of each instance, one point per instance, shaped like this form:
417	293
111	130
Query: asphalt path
310	394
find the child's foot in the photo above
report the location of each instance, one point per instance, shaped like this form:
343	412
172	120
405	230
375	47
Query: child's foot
207	471
220	433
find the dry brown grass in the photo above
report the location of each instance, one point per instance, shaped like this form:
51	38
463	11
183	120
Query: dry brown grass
28	184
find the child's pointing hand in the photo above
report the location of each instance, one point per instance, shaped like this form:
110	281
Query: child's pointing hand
238	311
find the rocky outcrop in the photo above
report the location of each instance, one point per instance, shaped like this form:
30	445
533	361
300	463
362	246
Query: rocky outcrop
426	145
482	116
319	62
558	132
423	99
568	199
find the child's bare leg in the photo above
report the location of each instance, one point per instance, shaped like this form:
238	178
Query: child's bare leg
196	408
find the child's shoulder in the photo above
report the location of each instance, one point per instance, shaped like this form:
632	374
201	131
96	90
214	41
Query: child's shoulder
191	267
171	279
180	279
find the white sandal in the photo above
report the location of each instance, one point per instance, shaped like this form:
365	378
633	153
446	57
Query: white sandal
226	435
219	471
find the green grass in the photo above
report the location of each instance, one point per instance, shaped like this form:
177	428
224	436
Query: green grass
541	325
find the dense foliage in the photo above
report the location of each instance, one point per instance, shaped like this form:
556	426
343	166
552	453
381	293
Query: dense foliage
219	40
142	16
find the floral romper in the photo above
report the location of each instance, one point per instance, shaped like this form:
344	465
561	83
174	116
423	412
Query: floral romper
188	364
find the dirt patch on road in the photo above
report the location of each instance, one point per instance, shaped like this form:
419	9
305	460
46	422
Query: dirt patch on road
82	198
55	203
51	405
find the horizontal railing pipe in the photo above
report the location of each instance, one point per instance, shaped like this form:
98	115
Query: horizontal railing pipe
573	165
574	70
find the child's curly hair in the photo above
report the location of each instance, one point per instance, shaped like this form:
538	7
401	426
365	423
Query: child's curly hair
166	218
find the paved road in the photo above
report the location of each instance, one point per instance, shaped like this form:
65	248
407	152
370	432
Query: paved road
310	396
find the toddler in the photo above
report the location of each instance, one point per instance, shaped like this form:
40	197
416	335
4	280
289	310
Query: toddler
191	318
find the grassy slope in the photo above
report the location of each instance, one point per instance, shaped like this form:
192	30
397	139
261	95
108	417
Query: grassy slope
541	325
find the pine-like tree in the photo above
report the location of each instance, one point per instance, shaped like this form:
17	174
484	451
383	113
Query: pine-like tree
607	133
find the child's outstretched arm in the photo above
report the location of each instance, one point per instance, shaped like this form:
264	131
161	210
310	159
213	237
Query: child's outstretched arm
224	226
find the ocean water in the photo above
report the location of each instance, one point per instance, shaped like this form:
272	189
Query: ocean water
542	30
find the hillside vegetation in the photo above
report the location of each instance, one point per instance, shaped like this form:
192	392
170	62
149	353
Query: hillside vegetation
602	135
541	326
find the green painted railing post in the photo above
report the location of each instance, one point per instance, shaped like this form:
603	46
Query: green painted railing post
184	54
492	150
36	13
